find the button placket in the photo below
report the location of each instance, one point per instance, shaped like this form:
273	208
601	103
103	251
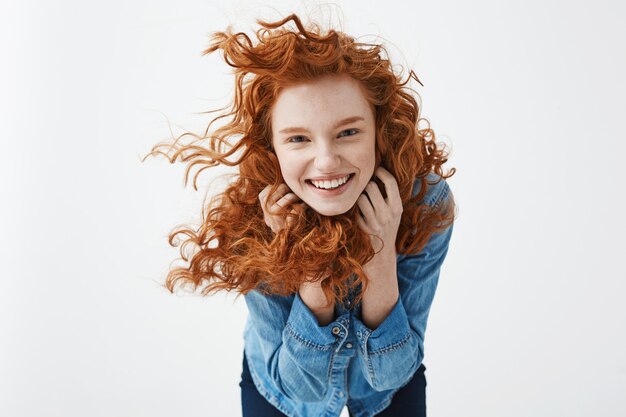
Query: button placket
341	332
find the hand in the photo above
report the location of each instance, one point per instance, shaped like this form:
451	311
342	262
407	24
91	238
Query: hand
382	216
281	198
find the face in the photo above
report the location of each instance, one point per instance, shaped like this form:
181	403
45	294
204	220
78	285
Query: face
323	133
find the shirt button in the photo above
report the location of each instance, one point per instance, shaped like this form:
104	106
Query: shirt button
349	345
336	330
341	394
348	303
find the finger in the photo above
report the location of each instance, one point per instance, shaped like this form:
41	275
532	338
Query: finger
263	193
266	198
291	219
361	223
373	192
280	191
287	199
366	207
391	185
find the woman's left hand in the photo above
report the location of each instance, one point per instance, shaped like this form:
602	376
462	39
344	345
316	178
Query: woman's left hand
382	216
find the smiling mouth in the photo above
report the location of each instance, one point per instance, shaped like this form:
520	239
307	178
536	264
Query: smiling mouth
323	184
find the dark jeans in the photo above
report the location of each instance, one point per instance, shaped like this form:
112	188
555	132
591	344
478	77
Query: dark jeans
409	401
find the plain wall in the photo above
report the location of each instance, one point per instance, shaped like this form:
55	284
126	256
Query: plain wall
529	315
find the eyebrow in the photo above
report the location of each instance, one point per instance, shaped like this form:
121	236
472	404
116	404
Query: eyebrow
343	122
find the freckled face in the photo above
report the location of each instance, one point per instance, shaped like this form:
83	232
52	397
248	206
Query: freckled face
323	133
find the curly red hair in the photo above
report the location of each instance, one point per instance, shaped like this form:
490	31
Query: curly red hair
233	247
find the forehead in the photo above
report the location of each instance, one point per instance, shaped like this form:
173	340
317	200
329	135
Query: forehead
333	96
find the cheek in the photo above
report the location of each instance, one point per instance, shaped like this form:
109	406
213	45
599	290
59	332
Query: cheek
282	161
290	170
366	160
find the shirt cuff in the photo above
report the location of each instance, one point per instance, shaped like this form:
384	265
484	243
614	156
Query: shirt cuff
392	332
303	326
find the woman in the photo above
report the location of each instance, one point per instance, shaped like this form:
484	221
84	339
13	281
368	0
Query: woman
334	230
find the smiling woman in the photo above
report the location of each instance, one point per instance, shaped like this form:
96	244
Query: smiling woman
333	163
335	229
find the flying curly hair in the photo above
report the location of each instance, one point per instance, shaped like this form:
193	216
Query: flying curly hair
233	248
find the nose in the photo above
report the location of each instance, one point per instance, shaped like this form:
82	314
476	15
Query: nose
327	159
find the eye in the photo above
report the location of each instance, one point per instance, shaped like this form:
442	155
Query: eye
291	139
294	139
350	130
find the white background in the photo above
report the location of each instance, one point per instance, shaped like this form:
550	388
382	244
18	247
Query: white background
529	317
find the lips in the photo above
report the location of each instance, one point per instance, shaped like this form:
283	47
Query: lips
336	177
333	192
347	176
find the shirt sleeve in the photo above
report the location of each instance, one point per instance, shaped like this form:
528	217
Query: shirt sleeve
298	352
392	352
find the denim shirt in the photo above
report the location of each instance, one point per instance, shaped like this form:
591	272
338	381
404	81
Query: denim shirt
307	370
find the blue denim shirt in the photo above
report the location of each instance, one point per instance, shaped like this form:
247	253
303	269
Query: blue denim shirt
308	370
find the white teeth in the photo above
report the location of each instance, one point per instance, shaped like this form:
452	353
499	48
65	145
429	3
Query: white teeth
331	184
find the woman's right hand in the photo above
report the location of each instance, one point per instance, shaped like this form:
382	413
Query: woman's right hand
282	198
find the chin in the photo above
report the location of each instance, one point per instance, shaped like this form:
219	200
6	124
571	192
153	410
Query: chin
330	211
